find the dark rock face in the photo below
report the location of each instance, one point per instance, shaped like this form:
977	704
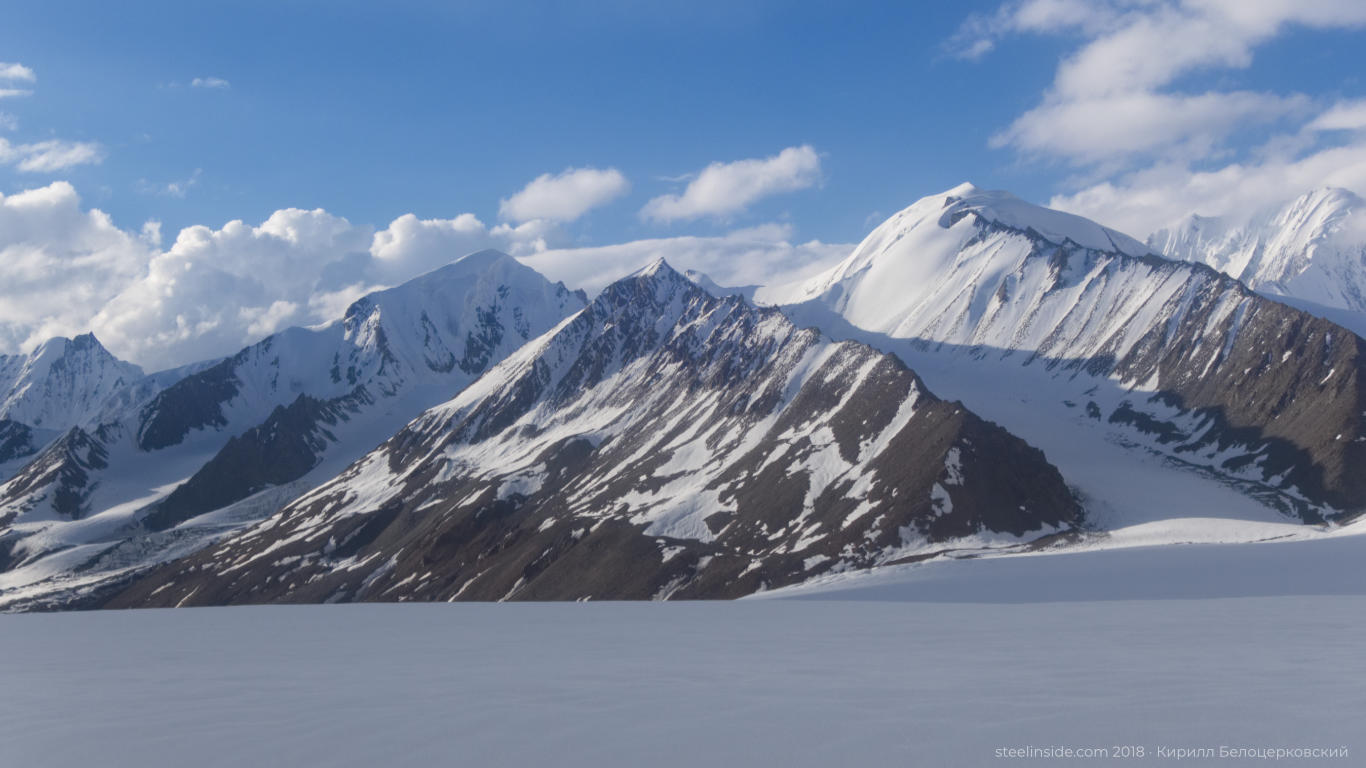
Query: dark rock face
663	444
1288	385
1215	374
64	465
281	449
16	440
194	402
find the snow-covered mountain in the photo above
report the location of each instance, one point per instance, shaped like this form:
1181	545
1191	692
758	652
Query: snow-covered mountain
671	439
661	443
1312	248
252	426
62	383
1004	302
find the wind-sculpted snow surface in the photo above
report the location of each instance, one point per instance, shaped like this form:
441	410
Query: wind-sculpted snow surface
306	400
661	443
1212	374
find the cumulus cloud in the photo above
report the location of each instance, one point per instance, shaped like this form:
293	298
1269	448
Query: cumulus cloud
214	291
66	270
564	196
217	83
58	263
722	189
1150	152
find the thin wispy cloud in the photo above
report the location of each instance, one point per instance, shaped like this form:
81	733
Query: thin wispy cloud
177	189
724	189
50	155
214	83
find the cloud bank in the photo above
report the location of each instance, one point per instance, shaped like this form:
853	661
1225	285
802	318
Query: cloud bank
65	269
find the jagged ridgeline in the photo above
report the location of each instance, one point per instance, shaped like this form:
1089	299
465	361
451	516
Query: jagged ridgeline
110	471
661	443
483	433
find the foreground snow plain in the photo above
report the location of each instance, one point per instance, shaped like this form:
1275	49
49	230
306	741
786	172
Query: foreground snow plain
1247	646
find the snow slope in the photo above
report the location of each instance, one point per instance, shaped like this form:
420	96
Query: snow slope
1076	338
1312	248
1198	558
660	443
62	383
395	353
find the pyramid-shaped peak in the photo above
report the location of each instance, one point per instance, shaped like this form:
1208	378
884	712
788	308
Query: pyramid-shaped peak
657	268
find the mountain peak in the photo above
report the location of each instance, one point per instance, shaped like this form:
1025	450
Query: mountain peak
1309	248
484	258
921	245
657	268
58	347
62	382
1004	209
965	189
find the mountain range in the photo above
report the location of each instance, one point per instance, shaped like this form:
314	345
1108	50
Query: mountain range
1312	249
979	375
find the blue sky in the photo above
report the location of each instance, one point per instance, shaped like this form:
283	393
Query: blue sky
441	108
816	119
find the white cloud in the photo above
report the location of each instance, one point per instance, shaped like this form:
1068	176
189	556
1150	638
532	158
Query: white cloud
565	196
210	82
1155	197
15	71
66	270
1111	99
11	72
8	122
177	189
216	290
50	155
722	189
1343	116
1098	129
744	257
1149	151
58	264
